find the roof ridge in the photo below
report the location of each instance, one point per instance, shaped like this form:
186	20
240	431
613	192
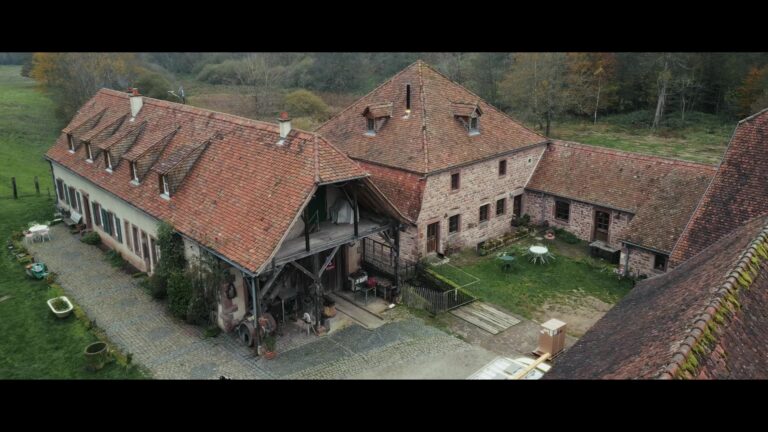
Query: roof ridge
486	102
634	155
752	117
338	150
424	143
349	107
199	111
701	321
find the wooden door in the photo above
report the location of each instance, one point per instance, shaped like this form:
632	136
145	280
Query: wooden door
145	252
87	211
602	222
517	205
433	236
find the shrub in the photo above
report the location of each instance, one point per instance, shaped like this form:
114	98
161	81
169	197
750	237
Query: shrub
17	235
197	312
51	278
92	238
566	236
179	294
156	286
305	103
138	275
115	259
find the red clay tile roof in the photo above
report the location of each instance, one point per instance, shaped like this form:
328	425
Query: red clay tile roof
431	138
240	194
738	192
405	189
662	193
706	318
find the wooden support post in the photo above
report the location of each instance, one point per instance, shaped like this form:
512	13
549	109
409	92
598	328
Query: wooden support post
318	286
256	309
37	186
13	185
306	229
397	255
354	209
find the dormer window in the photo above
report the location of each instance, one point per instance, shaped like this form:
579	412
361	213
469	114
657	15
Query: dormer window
473	130
134	173
71	143
375	117
469	116
108	161
88	152
164	185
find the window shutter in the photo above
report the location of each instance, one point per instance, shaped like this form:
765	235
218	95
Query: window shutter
118	230
105	220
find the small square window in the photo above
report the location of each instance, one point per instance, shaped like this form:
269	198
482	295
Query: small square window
455	181
660	262
371	124
562	210
473	125
502	167
454	223
484	213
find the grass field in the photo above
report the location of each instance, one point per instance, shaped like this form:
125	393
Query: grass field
702	138
34	344
527	287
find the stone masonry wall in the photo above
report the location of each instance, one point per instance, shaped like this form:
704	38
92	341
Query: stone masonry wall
480	184
640	261
582	217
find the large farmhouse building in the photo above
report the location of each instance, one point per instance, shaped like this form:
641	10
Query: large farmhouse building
461	170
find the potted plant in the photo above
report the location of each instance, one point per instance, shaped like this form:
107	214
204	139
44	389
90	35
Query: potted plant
61	306
269	344
96	356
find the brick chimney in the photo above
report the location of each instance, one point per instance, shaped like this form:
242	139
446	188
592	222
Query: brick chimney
285	124
137	101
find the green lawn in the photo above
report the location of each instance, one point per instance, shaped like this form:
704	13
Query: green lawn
529	286
33	342
702	138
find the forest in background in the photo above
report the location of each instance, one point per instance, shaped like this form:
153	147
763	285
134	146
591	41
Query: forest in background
657	92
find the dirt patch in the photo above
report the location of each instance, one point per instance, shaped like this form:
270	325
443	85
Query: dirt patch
579	313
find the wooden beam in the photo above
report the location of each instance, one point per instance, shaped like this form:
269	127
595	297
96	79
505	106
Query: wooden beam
306	229
524	371
397	256
270	281
305	271
328	260
354	209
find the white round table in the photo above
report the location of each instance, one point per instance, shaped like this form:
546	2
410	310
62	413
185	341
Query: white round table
540	254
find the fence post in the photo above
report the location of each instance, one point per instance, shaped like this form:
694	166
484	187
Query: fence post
13	184
37	186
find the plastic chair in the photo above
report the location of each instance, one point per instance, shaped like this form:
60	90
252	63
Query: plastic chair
45	233
28	236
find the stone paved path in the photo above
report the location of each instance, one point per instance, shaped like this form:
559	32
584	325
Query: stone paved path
171	349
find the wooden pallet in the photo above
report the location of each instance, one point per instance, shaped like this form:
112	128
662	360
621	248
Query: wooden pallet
486	317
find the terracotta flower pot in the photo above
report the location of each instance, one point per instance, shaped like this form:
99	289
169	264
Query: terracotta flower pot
269	355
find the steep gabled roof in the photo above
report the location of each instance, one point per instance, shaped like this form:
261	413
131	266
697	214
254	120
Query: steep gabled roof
243	191
662	193
431	138
405	189
739	190
707	318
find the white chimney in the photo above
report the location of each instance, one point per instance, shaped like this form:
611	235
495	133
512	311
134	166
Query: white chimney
137	101
285	125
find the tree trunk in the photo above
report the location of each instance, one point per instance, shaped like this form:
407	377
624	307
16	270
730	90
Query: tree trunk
597	102
662	97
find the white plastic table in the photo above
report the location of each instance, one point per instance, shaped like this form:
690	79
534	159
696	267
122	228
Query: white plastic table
540	254
37	228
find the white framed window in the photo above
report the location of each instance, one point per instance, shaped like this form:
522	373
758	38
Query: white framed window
108	160
473	129
166	188
71	143
134	173
88	152
371	126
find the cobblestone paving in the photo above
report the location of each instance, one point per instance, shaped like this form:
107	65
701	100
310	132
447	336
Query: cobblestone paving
171	349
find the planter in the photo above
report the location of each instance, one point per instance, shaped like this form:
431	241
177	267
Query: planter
96	356
269	355
61	313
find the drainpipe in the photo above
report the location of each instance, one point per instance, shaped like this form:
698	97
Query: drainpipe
626	262
55	187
